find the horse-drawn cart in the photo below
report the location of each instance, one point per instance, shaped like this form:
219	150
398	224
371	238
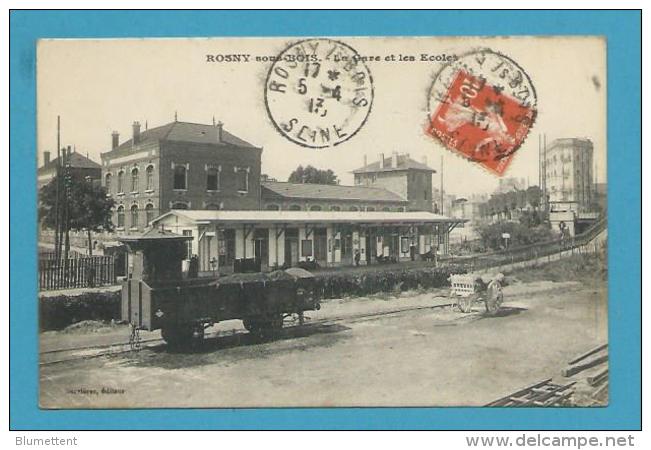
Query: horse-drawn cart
467	289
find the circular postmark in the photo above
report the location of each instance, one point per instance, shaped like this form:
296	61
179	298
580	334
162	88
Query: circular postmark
318	93
482	106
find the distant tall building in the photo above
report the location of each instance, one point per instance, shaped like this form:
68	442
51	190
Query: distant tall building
402	175
569	177
511	184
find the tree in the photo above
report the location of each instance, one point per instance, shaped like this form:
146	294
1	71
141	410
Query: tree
312	175
89	209
534	196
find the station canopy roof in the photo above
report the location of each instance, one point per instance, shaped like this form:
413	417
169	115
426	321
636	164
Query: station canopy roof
304	217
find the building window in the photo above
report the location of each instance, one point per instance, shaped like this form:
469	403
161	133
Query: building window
179	205
354	208
107	183
315	208
134	179
120	216
188	248
180	177
294	208
149	213
273	207
134	216
149	173
213	206
386	209
370	208
242	175
335	208
212	179
121	182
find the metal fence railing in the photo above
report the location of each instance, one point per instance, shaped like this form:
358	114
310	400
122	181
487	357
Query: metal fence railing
89	271
581	243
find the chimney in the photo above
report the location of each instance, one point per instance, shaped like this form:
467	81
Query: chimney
46	158
136	132
394	160
425	159
381	160
115	140
365	161
220	129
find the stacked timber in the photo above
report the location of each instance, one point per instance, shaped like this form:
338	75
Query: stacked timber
590	370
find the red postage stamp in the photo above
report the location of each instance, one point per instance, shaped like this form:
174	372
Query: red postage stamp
482	107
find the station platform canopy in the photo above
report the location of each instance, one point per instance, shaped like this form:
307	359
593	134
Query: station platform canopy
204	217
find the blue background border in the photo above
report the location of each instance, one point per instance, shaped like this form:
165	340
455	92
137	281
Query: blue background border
623	32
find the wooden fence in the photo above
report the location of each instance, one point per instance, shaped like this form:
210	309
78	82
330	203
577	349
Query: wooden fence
88	271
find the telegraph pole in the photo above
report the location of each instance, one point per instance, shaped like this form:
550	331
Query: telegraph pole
57	224
66	205
441	185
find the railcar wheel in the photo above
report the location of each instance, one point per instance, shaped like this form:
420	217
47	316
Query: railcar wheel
178	336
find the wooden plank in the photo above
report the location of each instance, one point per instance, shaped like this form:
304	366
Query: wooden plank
518	393
573	370
588	353
598	378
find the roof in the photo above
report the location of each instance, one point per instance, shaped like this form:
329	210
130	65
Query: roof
205	216
187	132
77	160
153	234
404	163
330	192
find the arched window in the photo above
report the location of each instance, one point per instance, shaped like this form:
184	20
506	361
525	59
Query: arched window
134	216
294	208
354	208
212	179
335	208
134	179
179	205
107	183
120	216
149	213
213	206
315	208
180	177
120	182
273	207
149	172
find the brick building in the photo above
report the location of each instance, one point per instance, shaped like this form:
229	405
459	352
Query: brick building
401	175
80	166
278	196
179	165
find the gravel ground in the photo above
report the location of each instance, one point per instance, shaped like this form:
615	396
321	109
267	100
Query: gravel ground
425	357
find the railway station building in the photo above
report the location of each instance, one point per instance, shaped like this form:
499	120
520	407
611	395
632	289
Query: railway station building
273	239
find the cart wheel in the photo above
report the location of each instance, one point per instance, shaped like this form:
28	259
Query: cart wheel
465	304
494	298
178	336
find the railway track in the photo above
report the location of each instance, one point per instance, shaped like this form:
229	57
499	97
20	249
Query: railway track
96	351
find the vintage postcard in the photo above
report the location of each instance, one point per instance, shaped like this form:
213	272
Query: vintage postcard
322	222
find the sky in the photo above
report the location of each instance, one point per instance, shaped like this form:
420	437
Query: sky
97	86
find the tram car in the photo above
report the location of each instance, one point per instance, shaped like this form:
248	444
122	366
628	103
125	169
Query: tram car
157	294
